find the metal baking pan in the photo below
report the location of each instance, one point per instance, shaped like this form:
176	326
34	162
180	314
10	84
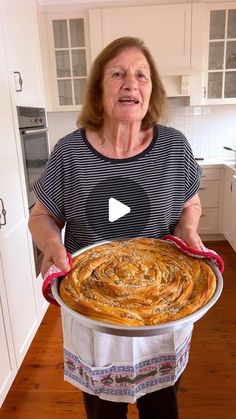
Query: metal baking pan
159	329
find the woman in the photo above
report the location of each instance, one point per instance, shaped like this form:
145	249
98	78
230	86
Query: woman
121	136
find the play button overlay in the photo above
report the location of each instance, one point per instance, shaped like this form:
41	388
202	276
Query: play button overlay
117	207
117	210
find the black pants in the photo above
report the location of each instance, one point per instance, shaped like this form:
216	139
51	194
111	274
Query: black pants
161	404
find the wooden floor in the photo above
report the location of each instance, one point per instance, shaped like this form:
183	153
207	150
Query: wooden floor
208	386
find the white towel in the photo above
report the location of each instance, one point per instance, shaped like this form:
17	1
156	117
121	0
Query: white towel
121	368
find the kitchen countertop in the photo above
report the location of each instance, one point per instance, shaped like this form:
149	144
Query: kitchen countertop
209	162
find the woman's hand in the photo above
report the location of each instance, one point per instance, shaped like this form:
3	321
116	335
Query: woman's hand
190	236
55	252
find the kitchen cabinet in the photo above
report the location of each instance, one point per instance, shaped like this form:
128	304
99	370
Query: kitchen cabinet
68	60
20	309
229	208
214	49
209	194
19	19
165	29
8	366
14	249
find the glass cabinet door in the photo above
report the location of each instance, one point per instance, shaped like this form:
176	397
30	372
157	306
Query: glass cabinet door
70	60
222	55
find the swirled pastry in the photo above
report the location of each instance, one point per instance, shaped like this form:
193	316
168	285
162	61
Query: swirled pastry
137	282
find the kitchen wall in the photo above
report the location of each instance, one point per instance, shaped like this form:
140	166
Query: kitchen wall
208	128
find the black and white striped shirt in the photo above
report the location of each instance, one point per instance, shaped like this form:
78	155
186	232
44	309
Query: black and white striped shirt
165	170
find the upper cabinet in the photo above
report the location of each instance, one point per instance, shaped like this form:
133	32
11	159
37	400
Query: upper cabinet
23	51
221	71
193	45
214	49
68	60
165	29
170	48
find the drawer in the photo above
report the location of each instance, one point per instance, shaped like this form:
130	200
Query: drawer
209	193
209	221
210	173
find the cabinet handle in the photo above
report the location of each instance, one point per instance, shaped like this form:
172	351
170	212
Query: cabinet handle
20	81
3	214
203	215
204	92
231	187
202	189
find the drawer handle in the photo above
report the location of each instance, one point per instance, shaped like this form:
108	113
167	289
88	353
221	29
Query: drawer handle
202	189
203	215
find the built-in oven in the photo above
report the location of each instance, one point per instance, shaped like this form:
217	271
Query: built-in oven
34	144
35	152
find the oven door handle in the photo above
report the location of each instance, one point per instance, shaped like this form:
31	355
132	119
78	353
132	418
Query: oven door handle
35	131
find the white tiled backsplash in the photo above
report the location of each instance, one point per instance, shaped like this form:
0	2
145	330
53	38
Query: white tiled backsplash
208	128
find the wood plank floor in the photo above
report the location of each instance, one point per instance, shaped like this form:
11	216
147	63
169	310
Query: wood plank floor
208	386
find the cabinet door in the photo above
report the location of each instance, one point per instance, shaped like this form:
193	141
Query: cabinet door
23	51
209	194
229	218
216	83
164	29
68	48
7	356
14	246
209	221
222	55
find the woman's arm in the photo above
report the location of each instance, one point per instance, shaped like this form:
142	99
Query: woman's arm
186	229
46	234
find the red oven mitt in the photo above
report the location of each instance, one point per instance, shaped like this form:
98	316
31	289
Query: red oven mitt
204	253
52	273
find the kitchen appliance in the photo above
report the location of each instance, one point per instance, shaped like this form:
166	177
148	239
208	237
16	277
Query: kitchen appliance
34	144
35	152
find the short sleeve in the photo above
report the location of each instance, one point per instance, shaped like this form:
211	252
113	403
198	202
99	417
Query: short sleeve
49	188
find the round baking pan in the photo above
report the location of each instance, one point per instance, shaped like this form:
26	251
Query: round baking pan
158	329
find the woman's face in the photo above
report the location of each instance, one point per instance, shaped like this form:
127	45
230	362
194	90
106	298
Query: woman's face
127	87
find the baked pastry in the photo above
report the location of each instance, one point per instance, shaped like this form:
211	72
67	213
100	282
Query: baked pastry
137	282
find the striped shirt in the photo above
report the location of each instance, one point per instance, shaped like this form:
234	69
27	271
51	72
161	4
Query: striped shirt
166	170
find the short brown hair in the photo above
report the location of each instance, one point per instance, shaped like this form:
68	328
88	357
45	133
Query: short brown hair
91	116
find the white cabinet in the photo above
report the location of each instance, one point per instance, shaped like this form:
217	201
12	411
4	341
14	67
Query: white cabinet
67	63
23	51
165	29
14	246
19	314
8	366
229	209
209	194
214	49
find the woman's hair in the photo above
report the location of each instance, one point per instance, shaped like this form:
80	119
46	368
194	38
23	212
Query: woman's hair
91	116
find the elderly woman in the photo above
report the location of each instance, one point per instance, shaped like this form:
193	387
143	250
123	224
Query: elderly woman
121	136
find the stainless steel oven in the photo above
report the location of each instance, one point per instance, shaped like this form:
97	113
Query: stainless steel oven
35	152
34	144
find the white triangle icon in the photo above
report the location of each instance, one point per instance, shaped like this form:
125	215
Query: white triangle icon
117	209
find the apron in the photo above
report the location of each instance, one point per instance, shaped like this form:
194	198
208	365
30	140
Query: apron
121	368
